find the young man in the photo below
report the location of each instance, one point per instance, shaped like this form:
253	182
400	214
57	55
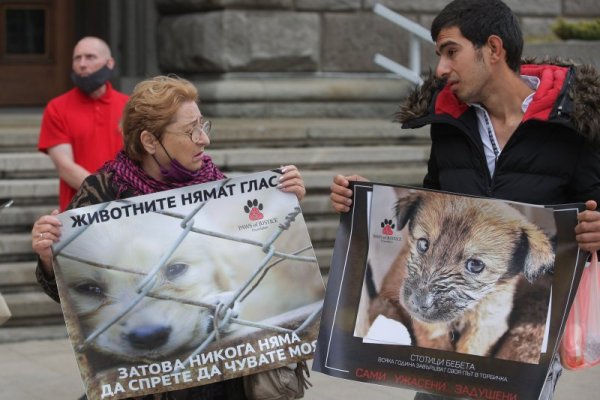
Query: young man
80	128
501	128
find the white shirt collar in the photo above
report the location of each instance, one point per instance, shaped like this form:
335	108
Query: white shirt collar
533	82
490	144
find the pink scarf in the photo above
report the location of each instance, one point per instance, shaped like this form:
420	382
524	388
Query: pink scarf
128	177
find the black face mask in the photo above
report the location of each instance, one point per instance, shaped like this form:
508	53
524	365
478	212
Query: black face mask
93	81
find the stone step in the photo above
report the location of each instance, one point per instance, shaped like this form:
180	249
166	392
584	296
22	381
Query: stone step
273	95
322	231
12	334
324	259
16	276
320	181
248	88
312	132
26	165
316	205
322	157
37	165
18	138
20	117
276	132
16	247
18	217
32	308
30	191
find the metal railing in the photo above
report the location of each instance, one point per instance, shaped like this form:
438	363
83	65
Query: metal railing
417	33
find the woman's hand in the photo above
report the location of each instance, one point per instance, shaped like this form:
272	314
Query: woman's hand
45	232
291	181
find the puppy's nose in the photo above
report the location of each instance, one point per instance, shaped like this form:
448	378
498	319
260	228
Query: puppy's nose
422	301
149	337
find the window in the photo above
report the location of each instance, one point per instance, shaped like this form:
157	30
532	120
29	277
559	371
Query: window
25	31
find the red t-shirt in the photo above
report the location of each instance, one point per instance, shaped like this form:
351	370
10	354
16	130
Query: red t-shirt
90	126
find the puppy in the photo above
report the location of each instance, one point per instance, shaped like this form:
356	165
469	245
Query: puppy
154	328
202	270
456	276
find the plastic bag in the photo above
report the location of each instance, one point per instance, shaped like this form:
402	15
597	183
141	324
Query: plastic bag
580	346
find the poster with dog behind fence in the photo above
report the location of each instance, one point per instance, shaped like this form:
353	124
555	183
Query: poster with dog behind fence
457	296
188	287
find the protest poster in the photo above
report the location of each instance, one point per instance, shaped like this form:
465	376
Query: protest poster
453	295
187	287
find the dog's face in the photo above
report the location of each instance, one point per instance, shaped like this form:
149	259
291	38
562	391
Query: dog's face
154	328
461	249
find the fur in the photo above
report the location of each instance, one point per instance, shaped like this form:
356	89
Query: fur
583	92
458	271
202	269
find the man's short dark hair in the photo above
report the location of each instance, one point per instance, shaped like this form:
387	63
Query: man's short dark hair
478	20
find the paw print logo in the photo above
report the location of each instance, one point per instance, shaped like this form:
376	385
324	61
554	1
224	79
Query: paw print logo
253	207
388	227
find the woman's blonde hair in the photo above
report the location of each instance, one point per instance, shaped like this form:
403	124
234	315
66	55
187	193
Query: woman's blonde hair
151	107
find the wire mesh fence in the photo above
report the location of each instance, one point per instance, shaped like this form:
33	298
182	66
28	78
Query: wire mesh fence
224	312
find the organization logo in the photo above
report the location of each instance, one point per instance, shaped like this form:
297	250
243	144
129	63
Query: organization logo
387	227
388	231
253	208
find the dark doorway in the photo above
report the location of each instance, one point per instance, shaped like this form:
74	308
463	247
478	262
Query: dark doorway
36	45
35	50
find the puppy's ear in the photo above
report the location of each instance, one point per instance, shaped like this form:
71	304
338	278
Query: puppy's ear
406	208
540	255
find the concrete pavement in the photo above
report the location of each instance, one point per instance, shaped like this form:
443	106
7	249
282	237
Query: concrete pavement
46	370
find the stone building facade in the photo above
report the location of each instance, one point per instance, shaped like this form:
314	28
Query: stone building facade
222	42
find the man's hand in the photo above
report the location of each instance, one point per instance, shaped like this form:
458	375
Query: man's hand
340	194
587	231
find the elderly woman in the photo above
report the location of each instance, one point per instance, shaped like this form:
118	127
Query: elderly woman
165	136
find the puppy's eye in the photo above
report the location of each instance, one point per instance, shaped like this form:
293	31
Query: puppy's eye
422	245
175	270
90	289
475	266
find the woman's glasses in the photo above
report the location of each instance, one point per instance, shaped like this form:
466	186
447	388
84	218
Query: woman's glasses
195	134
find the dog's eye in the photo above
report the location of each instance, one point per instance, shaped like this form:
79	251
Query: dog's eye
174	270
475	266
422	245
90	288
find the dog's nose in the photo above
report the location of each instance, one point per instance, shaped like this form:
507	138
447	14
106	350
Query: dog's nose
149	337
422	301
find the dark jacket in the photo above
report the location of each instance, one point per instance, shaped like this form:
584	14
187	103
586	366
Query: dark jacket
553	157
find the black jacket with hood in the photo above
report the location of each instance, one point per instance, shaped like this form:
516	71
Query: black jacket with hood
553	157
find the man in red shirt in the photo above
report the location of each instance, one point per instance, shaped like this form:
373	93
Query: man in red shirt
80	128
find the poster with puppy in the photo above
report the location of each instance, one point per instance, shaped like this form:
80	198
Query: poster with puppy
187	287
447	294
